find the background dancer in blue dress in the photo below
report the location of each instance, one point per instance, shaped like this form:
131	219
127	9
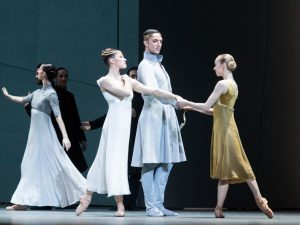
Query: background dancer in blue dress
48	177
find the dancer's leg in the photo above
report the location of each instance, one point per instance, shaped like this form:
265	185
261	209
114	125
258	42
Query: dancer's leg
147	179
120	206
223	186
85	200
160	182
261	202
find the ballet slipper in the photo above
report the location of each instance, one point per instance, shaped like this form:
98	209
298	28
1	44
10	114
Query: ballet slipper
262	204
16	207
218	212
120	210
119	214
85	200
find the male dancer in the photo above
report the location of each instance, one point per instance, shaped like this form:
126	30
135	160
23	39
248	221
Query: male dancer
158	142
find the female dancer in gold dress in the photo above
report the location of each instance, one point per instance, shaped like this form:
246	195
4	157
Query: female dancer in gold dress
228	161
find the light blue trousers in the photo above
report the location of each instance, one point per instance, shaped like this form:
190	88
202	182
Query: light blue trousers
154	180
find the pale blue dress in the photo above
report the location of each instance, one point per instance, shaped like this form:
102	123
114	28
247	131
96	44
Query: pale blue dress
48	177
158	138
108	173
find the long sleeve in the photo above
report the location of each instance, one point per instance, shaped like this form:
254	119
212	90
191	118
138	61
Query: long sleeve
76	119
97	123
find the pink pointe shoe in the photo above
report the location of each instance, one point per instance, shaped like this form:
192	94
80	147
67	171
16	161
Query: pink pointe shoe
85	200
219	212
16	207
262	204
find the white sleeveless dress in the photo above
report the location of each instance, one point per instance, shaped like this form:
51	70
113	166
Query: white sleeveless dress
108	173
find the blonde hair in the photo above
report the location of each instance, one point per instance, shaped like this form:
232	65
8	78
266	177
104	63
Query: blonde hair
228	60
107	53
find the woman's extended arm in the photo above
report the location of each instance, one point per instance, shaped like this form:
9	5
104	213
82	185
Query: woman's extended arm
17	99
156	92
220	88
207	112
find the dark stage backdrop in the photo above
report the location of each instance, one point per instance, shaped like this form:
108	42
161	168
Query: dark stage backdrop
263	36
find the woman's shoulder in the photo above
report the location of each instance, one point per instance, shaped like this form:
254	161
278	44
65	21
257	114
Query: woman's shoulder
228	86
50	90
222	84
101	82
101	79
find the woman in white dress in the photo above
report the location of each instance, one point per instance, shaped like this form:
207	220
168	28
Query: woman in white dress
48	177
108	173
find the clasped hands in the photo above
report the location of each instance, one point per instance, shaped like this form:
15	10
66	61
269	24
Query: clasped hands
182	103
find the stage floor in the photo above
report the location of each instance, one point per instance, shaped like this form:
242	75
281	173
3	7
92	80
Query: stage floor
104	216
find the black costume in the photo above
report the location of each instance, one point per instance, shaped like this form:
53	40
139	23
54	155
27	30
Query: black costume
70	116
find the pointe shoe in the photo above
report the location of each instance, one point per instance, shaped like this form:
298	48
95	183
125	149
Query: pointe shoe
119	214
16	207
85	200
262	204
219	213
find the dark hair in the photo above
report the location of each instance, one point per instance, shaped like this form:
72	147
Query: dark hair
50	71
131	68
62	68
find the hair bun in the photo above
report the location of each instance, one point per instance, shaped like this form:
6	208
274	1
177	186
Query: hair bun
108	51
231	65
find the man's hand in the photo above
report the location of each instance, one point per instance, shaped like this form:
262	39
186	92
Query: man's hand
85	126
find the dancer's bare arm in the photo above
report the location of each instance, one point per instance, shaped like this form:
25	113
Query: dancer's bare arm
13	98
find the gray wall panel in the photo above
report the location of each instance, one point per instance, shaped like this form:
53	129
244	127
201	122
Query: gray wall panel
69	33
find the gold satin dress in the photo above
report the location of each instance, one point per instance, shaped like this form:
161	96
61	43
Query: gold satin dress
228	159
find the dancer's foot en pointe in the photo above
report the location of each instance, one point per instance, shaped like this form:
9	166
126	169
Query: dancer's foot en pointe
262	204
85	200
16	207
219	212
